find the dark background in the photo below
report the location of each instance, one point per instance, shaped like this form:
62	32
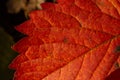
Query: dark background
7	23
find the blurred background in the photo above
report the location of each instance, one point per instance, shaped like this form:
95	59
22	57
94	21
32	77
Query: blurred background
13	13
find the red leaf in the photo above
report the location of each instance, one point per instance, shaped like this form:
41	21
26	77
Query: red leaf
115	75
70	40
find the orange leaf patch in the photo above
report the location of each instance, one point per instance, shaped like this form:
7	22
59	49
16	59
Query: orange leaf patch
69	40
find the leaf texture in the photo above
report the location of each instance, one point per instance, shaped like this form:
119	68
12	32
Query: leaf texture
69	40
114	75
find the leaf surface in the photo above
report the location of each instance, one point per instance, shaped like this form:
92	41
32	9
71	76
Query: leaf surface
69	40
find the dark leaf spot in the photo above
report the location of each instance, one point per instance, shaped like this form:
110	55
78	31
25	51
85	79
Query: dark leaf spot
117	65
117	49
65	40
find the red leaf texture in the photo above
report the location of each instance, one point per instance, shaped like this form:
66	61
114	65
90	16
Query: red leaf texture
69	40
115	75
